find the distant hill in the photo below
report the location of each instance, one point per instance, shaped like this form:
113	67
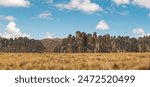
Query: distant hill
50	44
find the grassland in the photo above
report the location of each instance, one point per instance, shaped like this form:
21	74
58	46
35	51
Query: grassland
85	61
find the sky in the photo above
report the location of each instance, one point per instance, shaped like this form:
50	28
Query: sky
41	19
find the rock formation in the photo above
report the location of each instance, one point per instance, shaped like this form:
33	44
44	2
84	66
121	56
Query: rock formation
81	43
91	43
21	45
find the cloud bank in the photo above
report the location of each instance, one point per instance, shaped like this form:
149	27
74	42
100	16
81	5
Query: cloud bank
14	3
140	3
13	32
82	5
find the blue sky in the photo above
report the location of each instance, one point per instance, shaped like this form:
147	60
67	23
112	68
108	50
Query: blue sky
57	18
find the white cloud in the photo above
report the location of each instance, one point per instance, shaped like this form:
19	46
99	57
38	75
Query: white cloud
120	2
148	34
139	31
102	25
48	35
149	14
45	15
82	5
14	3
142	3
12	31
11	27
124	13
8	18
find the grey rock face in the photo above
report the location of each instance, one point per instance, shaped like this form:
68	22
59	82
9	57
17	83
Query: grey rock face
21	45
88	43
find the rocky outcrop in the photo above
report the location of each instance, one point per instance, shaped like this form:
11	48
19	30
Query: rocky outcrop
80	43
91	43
21	45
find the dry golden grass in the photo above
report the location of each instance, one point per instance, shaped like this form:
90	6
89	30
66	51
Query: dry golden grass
85	61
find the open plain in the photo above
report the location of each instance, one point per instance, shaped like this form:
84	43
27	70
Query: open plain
75	61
